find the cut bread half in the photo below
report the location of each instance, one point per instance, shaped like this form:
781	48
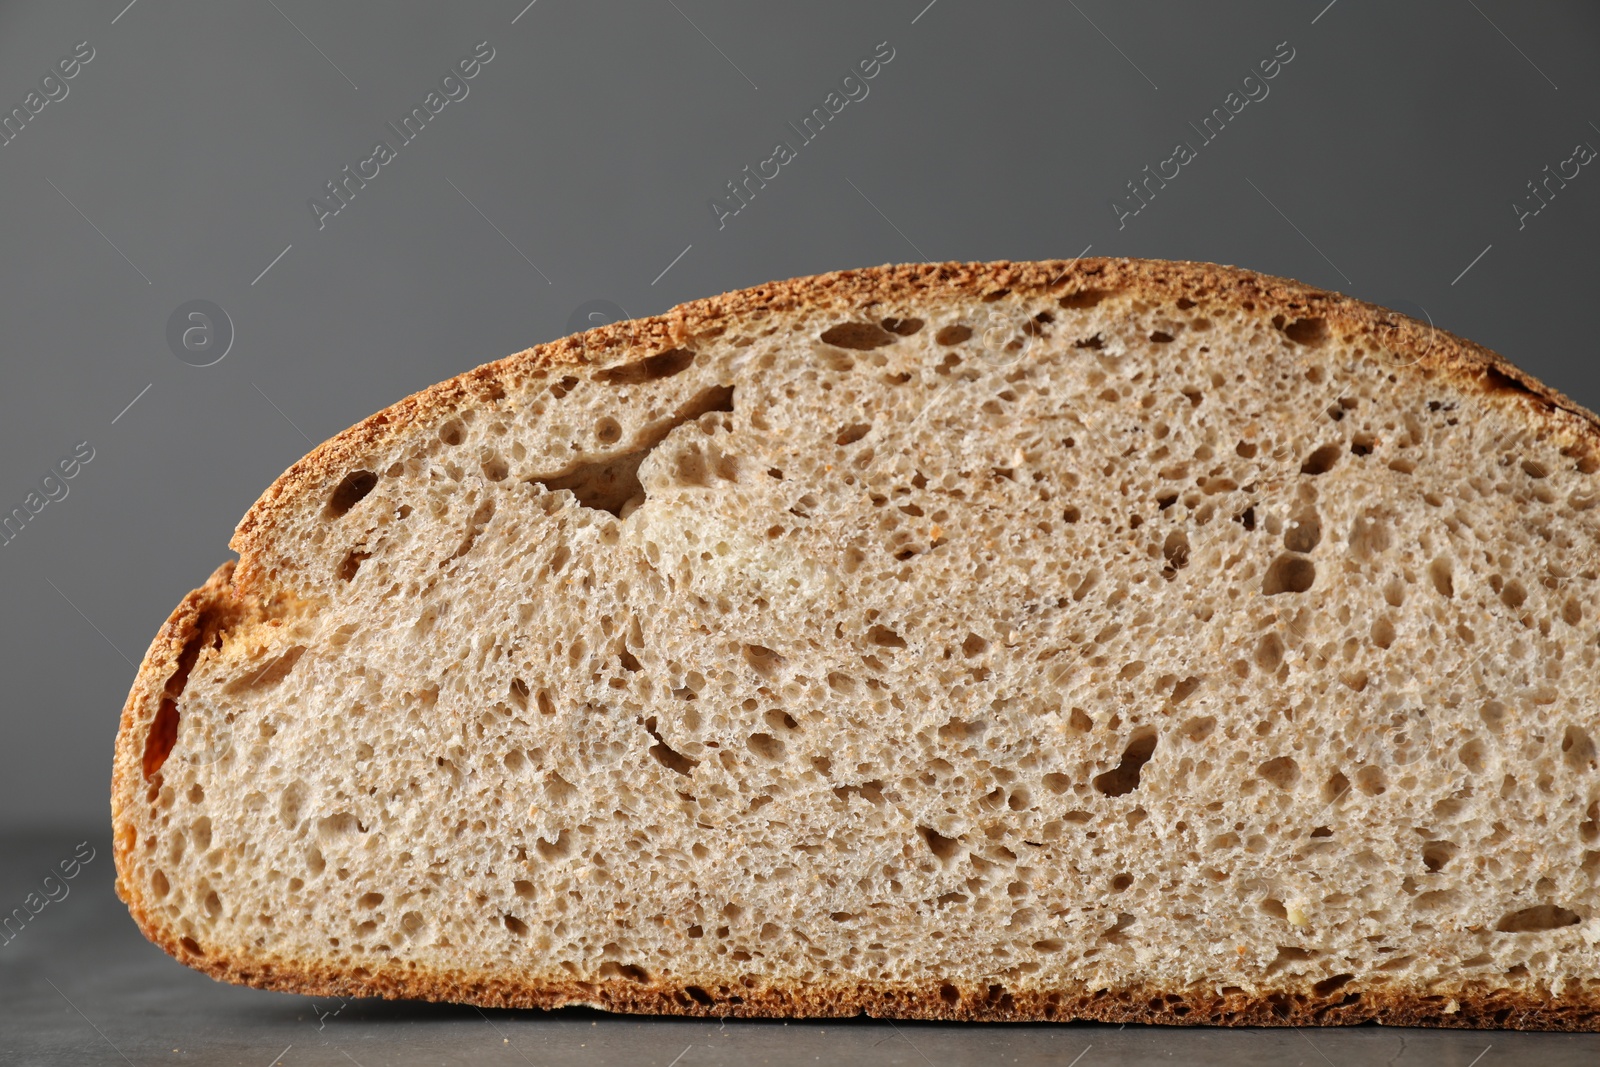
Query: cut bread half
1114	639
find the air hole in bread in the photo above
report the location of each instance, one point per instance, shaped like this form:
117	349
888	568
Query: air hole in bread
1090	580
780	720
903	327
1304	531
1321	461
1335	788
766	746
666	755
350	492
849	435
1496	381
1184	688
452	432
1538	918
1329	986
1289	573
945	848
1436	854
1124	777
1085	298
1578	749
650	369
1439	573
1116	935
475	527
884	637
1282	772
871	791
612	483
351	564
1311	332
163	733
764	661
1383	634
1589	829
552	850
1290	954
857	336
274	671
558	789
1175	549
962	729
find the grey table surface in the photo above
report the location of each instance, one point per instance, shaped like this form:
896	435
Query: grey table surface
80	985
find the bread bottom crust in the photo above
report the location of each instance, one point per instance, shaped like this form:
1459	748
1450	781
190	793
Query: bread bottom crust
1467	1005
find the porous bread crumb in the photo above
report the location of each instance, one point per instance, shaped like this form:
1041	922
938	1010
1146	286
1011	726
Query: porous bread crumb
1075	636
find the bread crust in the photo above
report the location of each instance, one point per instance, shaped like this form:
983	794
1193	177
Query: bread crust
242	594
1470	1005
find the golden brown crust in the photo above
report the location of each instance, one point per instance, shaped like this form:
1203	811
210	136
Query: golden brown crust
232	594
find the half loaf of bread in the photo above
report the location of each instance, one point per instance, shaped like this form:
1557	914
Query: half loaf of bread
1113	639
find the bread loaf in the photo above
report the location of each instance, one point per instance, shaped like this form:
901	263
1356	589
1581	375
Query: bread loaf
1115	639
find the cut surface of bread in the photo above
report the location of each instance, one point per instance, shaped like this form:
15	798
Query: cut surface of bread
1113	639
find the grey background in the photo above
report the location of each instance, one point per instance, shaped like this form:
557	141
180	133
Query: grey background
1383	164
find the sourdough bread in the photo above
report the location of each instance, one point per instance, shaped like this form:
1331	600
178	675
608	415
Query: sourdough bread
1113	639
